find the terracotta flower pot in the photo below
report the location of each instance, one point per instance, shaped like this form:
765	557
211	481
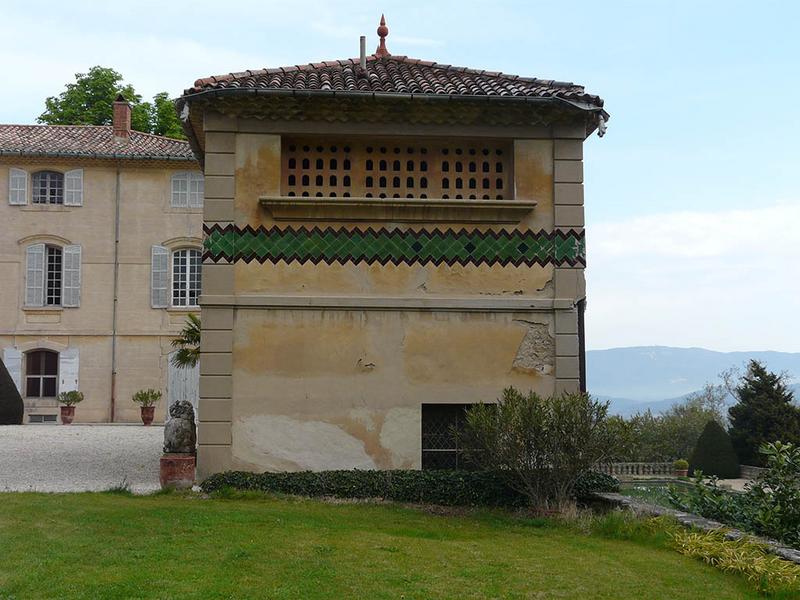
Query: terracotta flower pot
147	414
681	472
67	414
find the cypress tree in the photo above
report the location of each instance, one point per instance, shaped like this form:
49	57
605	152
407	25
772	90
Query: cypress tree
714	453
764	413
11	407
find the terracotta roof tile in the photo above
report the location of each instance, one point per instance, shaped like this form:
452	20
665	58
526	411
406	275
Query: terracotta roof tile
396	75
89	141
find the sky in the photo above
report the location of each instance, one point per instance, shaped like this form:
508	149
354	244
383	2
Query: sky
692	198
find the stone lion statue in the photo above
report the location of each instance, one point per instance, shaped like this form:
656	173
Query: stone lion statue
180	433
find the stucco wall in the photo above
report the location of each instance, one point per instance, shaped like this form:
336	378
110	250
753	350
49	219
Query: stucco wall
319	365
325	389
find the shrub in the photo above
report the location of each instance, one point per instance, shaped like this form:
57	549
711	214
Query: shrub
70	398
149	397
744	556
11	406
681	464
443	487
591	482
540	445
770	506
714	453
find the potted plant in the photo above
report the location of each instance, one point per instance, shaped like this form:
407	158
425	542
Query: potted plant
681	467
68	400
147	399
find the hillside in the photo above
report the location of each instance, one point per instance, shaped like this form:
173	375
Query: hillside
657	376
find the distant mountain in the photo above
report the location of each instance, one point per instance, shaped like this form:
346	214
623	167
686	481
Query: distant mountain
655	377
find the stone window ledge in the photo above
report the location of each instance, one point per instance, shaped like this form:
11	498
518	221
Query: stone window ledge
397	210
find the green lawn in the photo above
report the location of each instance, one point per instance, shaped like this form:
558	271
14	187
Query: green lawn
172	546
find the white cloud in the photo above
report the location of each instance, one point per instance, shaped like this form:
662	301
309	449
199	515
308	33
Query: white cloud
724	280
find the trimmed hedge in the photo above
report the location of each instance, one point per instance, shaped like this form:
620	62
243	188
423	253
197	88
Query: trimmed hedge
11	407
714	453
443	487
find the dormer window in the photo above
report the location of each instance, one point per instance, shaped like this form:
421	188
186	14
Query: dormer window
48	187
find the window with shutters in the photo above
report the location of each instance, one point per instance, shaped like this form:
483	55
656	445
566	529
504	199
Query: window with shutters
48	187
41	374
53	275
386	168
186	265
187	190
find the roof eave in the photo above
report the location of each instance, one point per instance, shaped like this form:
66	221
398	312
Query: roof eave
96	155
194	143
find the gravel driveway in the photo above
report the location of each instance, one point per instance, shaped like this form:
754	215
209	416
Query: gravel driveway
79	458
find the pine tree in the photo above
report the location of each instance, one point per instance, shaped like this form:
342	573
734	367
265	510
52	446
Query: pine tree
11	407
764	413
714	453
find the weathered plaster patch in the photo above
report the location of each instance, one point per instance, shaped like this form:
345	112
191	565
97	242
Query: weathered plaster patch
280	443
401	434
536	352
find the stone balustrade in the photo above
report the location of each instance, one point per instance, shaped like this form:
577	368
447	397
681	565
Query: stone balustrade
638	469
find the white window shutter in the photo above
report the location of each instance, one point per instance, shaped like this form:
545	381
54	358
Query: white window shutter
12	358
196	190
71	277
180	190
34	275
159	277
68	367
17	186
73	188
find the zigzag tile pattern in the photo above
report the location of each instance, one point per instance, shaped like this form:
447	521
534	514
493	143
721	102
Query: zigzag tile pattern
383	246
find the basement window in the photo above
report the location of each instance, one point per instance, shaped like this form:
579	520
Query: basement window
440	424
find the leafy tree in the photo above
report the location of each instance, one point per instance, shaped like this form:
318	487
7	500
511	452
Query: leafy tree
11	407
164	117
764	413
714	453
540	445
89	101
188	344
673	433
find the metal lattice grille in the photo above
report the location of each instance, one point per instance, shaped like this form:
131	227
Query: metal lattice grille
440	424
396	169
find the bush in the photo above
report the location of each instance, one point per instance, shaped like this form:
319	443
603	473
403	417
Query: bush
443	487
70	398
592	482
541	445
770	506
714	453
681	464
766	572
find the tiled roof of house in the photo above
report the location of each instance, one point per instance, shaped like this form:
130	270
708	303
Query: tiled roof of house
402	75
89	141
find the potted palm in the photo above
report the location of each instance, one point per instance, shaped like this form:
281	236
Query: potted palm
68	400
681	467
147	400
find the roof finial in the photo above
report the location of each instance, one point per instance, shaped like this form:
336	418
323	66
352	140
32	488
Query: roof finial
383	31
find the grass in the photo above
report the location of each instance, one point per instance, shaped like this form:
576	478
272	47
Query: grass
115	545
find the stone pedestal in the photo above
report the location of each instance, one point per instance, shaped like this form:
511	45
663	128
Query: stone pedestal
177	470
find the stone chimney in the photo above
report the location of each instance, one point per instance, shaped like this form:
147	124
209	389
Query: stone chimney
122	118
